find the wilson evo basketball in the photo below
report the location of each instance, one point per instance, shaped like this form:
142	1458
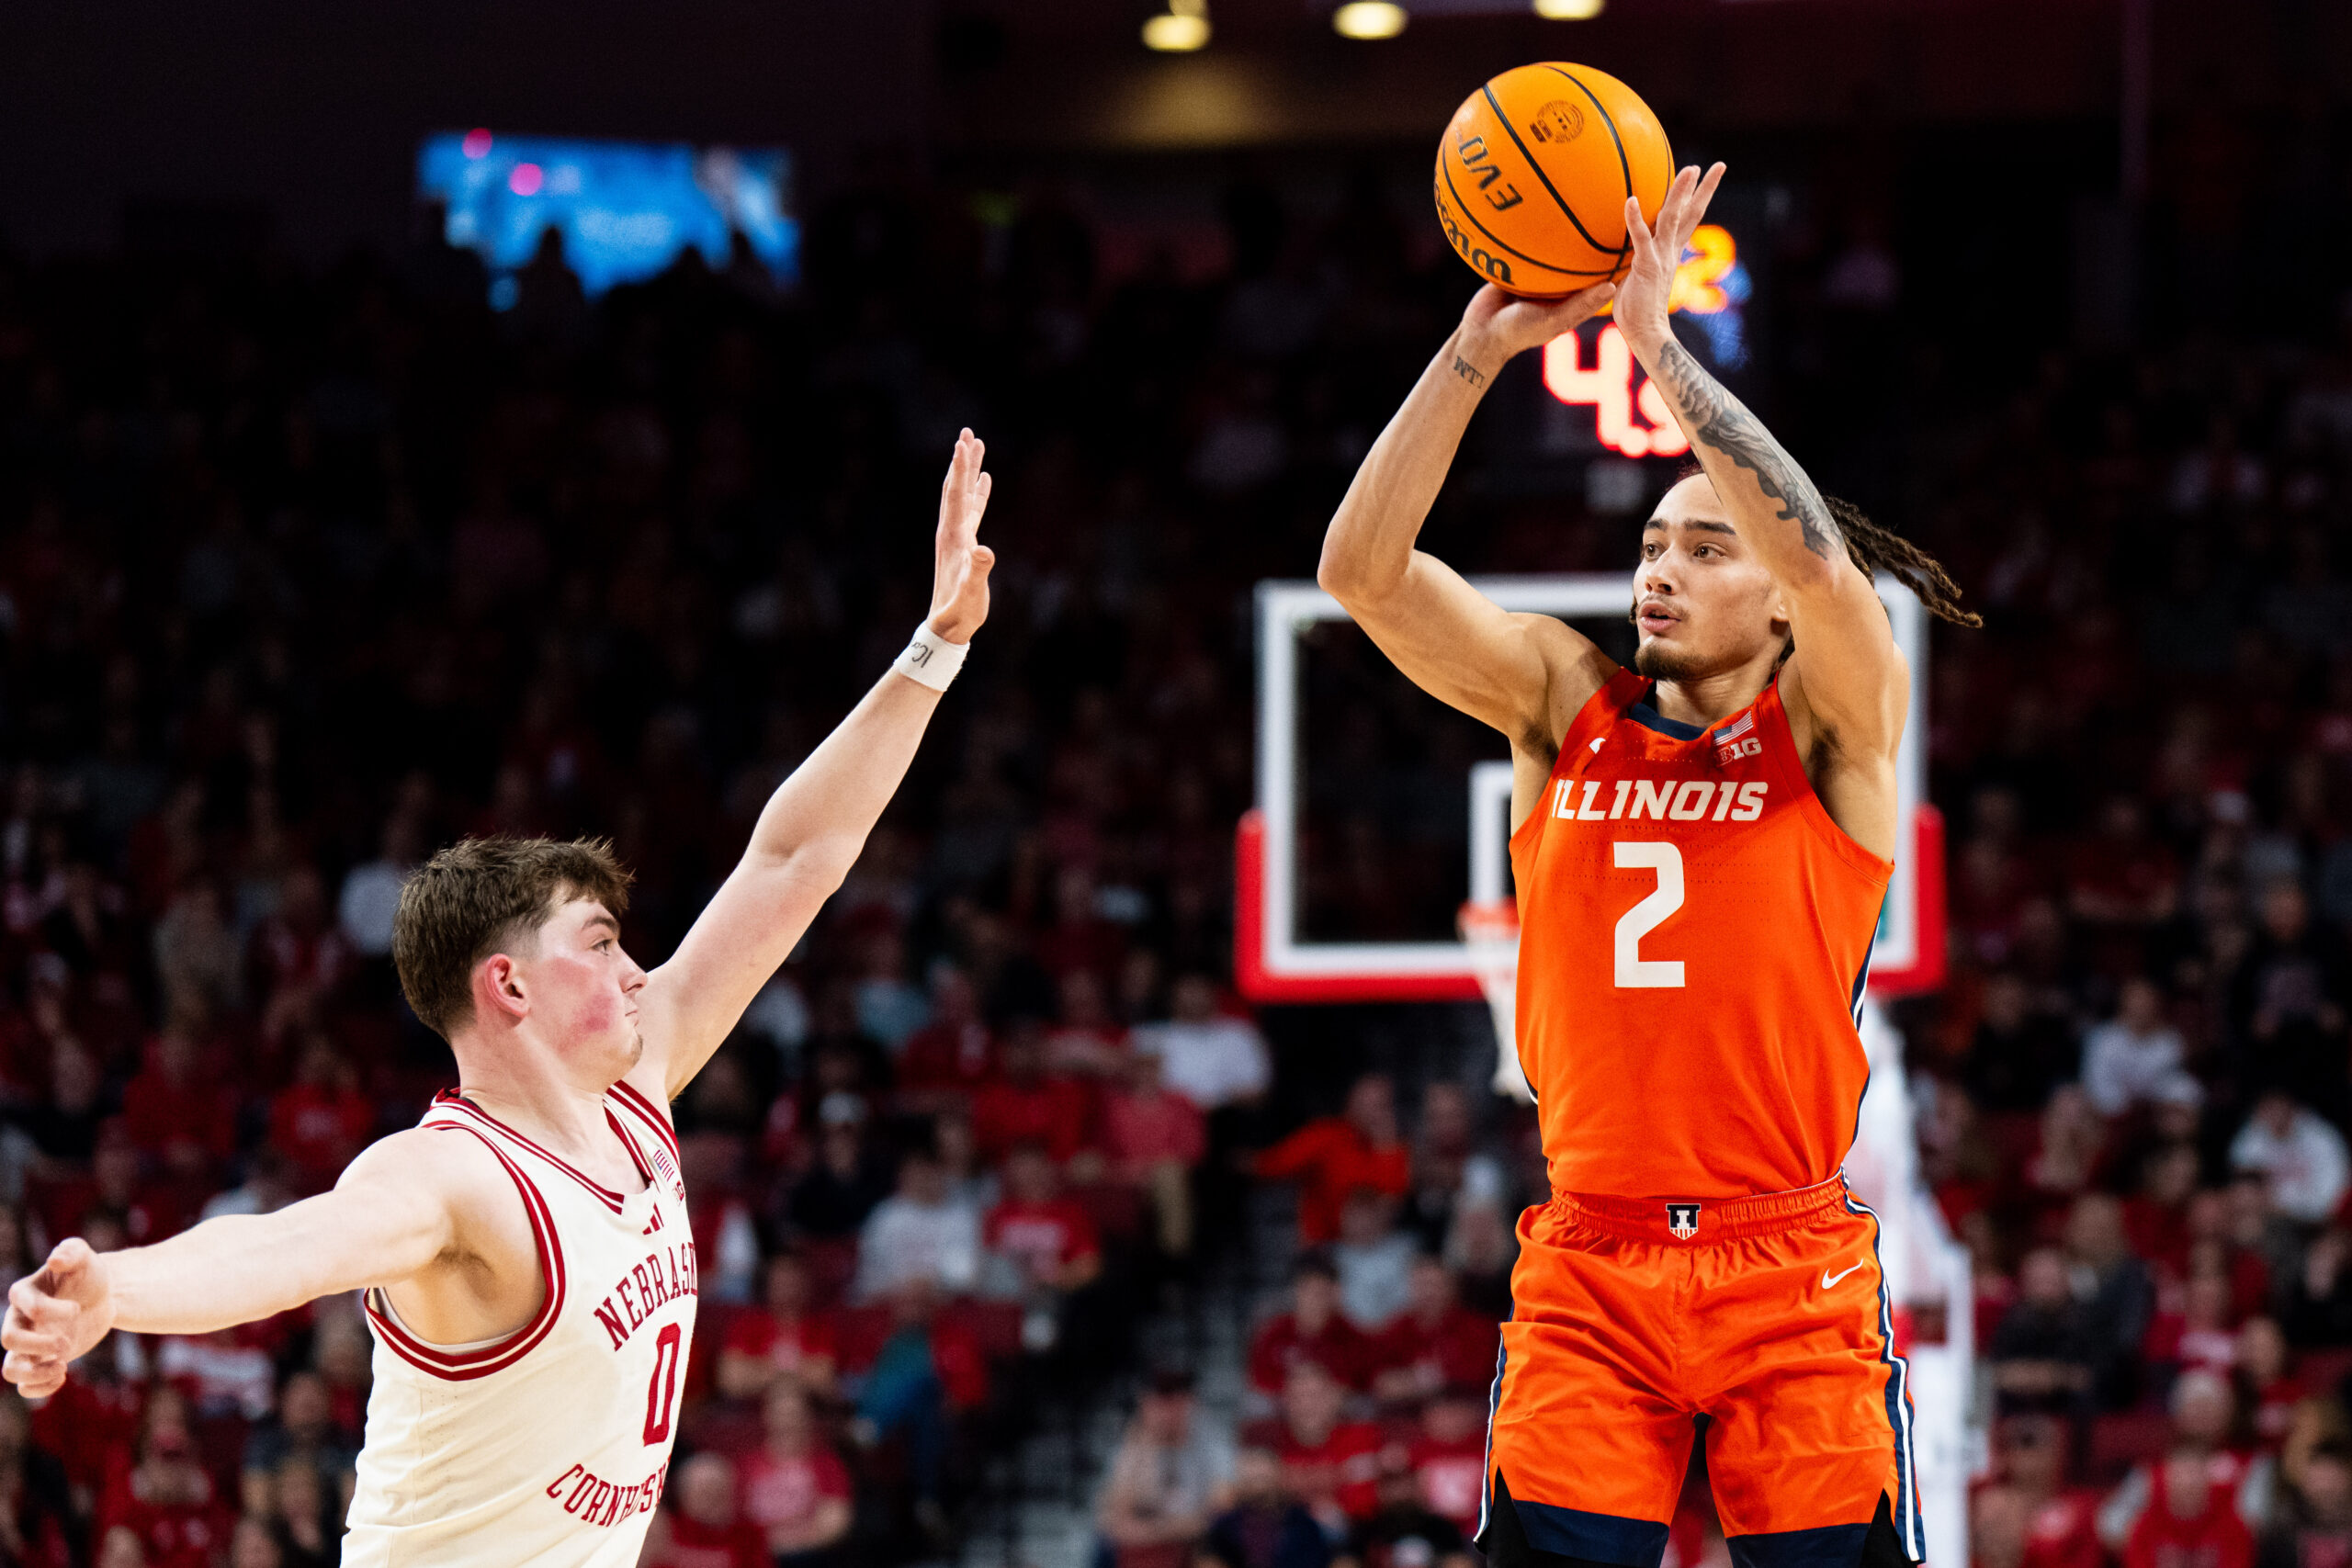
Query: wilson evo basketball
1533	172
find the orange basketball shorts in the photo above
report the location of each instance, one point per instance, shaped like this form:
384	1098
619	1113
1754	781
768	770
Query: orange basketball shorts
1768	1316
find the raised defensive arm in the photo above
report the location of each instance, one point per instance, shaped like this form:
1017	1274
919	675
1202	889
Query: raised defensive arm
1853	676
388	1217
1448	639
815	826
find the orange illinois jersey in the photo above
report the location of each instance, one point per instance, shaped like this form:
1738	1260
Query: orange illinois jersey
1693	935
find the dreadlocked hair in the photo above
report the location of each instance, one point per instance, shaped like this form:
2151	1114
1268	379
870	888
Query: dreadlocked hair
1877	549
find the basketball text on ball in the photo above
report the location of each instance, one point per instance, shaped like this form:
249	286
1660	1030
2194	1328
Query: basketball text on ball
1551	151
1493	266
1479	161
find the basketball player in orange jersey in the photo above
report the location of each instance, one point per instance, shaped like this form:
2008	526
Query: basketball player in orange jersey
530	1277
1701	845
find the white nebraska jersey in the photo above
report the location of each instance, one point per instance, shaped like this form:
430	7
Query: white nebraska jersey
549	1446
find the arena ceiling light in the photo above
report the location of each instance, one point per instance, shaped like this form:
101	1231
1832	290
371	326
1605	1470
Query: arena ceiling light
1181	29
1369	20
1569	10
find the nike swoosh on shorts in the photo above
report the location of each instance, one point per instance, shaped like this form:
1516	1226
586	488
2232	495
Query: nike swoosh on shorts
1830	1279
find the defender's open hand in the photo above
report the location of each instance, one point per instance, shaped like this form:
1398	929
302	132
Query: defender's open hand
959	583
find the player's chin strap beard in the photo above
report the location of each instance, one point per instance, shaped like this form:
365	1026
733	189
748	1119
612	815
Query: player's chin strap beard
1658	665
1662	664
1650	659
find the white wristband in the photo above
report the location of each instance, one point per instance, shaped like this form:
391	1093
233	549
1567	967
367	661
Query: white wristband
931	660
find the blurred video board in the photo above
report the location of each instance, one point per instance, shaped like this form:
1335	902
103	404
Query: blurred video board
625	210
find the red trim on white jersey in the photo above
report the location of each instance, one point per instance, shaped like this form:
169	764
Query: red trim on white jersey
450	1100
636	1155
480	1361
649	1113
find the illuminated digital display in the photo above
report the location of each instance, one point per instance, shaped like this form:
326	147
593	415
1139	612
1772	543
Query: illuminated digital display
1614	386
625	210
1711	287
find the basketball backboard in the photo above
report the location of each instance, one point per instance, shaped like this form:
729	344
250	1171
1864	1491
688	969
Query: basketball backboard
1275	960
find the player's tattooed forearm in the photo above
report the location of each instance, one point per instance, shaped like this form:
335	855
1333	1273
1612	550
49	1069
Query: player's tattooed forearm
1468	371
1723	422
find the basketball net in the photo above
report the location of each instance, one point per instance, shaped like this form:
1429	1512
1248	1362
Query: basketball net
1490	931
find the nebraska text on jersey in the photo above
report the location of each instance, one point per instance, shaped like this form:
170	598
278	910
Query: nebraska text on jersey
648	1287
546	1446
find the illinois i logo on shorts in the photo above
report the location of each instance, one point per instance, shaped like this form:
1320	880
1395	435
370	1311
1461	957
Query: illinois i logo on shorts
1682	1219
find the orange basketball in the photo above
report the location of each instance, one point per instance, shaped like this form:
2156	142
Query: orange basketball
1533	172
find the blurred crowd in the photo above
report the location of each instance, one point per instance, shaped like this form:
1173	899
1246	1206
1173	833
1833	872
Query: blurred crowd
303	572
1361	1437
2134	1091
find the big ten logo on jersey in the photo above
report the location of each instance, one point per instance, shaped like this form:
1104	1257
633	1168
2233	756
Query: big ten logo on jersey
1663	800
667	1274
1737	739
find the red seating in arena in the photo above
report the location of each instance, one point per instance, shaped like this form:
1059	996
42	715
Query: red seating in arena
308	568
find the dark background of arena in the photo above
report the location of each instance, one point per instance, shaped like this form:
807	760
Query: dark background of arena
311	562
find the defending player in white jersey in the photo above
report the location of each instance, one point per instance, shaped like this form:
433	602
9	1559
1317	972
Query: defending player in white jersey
528	1271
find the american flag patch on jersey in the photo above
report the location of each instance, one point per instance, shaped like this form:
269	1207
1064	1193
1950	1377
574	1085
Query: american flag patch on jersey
1737	739
668	1167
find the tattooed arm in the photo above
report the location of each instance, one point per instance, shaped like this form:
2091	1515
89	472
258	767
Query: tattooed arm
1847	686
1513	672
1725	437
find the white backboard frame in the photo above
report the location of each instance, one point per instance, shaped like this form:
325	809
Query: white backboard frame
1274	963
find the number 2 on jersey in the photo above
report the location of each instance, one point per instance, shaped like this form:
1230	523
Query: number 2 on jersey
662	1392
1634	971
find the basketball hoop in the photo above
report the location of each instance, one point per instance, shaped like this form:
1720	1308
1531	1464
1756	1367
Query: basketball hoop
1489	931
1277	957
